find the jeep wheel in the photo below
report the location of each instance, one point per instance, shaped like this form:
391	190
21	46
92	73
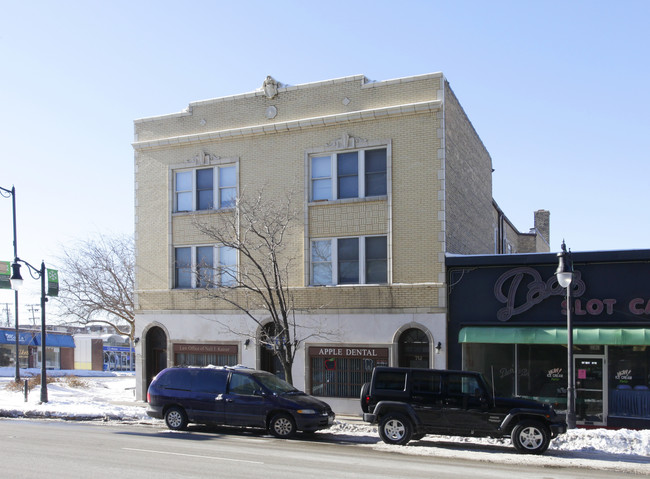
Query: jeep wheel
282	426
175	418
531	437
395	429
363	395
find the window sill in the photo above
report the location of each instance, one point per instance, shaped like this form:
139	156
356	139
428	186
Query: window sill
347	285
348	200
202	212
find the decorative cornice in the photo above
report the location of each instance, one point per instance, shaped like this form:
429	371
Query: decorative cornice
303	124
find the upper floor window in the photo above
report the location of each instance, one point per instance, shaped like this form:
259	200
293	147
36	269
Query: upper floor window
357	260
205	267
205	188
355	174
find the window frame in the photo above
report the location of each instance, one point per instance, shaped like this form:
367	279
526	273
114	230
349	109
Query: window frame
335	178
362	260
216	274
217	187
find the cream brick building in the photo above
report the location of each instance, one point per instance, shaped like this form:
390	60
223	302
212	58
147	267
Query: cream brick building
413	183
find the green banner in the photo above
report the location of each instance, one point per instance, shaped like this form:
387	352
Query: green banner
5	274
52	282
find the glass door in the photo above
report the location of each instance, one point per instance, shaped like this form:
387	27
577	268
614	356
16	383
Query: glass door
590	382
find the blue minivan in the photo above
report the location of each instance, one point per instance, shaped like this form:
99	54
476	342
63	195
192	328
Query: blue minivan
234	396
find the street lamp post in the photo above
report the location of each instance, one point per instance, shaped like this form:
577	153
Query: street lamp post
16	283
564	275
12	192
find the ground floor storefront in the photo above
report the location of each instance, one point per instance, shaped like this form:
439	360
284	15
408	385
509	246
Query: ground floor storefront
59	350
611	382
332	363
508	321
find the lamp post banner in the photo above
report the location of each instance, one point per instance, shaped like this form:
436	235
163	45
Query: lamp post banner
52	282
5	274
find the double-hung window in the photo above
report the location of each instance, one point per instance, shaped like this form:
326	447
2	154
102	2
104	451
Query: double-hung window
355	174
205	273
321	178
205	188
183	268
183	191
205	267
356	260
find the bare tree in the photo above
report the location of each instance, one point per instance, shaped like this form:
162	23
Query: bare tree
260	230
97	283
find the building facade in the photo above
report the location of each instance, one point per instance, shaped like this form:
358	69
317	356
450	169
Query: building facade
59	349
391	177
508	319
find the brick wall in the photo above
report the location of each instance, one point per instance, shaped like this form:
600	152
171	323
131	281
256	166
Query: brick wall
439	193
469	219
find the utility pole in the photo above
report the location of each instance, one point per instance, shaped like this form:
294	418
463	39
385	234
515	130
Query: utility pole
6	310
33	308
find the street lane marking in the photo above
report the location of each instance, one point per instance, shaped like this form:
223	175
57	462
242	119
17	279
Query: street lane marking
190	455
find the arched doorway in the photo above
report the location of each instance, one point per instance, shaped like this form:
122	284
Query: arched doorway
413	349
268	360
156	354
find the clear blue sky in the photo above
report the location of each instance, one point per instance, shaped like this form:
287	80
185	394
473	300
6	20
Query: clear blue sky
557	90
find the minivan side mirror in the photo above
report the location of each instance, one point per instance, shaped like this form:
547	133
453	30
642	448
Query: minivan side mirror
259	392
480	395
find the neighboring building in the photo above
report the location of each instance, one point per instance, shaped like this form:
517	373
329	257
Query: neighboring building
100	348
59	349
393	178
508	319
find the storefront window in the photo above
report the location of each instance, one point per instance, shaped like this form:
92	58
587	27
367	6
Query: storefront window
205	355
542	372
52	358
117	359
629	381
341	371
496	362
6	355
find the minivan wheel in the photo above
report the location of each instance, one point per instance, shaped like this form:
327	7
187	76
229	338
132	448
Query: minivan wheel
282	425
531	437
175	418
395	429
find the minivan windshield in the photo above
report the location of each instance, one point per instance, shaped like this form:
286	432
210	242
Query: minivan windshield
275	384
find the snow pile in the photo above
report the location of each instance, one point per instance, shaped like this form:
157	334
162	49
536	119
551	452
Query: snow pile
105	397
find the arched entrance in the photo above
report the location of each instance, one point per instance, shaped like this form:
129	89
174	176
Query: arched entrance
269	361
156	354
413	349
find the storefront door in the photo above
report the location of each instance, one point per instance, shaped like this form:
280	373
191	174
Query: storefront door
591	384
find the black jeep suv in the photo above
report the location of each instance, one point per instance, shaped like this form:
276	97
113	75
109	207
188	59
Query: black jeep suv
409	403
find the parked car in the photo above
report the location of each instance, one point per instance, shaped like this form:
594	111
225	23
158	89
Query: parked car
410	403
234	396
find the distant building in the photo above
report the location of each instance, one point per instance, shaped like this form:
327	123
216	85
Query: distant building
103	352
393	178
59	349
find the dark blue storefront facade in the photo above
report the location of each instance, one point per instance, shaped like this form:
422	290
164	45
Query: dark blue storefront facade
507	319
59	354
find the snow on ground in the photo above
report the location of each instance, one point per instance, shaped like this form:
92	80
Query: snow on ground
111	396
